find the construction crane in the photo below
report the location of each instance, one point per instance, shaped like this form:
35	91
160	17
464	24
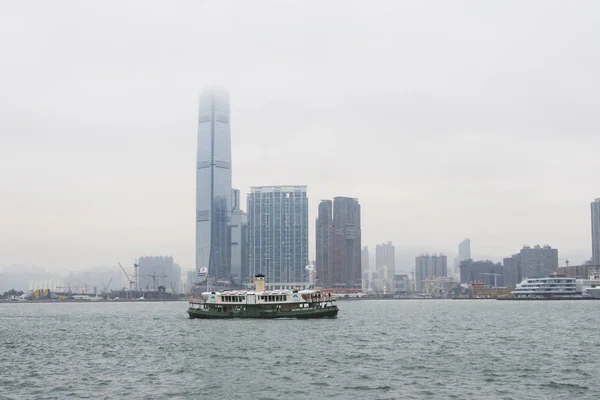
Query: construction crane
495	276
131	281
105	289
153	276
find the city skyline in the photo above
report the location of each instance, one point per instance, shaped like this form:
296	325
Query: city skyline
465	129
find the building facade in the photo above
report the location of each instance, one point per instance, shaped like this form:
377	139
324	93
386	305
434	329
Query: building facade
324	243
595	208
213	184
530	262
429	266
277	232
385	254
346	243
365	267
238	225
339	253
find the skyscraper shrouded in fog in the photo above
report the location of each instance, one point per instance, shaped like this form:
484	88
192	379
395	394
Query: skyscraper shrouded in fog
213	184
464	250
595	206
277	229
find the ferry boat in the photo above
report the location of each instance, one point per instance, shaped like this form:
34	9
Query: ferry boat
262	303
546	287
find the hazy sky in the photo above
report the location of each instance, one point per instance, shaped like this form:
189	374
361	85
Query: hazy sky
446	119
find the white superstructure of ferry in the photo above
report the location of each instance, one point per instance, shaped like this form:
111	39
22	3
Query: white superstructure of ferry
546	287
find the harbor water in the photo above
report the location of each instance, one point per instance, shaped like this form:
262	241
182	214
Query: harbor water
385	349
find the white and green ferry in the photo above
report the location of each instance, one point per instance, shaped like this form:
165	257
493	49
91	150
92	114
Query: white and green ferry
262	303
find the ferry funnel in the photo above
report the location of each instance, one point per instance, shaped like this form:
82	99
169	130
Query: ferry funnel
259	283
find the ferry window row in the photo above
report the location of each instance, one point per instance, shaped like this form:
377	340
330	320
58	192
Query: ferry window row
233	299
273	298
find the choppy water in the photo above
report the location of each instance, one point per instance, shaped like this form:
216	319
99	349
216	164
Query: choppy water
374	350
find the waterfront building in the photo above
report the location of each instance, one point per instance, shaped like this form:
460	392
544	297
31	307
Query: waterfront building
429	266
277	230
324	243
595	208
213	184
385	255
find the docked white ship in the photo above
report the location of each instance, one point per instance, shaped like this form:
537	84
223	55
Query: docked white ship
546	287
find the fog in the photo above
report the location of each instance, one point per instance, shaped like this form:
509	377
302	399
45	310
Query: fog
445	119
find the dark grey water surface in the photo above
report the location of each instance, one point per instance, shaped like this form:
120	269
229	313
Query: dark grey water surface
426	349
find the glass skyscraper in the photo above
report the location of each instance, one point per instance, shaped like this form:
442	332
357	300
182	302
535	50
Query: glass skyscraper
213	184
278	233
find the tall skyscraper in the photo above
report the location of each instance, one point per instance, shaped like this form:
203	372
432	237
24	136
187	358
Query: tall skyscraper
324	242
213	184
385	255
596	232
346	242
278	234
464	250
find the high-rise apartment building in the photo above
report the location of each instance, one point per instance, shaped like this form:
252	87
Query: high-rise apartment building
339	255
324	242
385	255
278	234
213	184
530	262
346	242
595	206
429	266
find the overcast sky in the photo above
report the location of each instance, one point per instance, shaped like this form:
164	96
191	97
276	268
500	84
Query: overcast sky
446	119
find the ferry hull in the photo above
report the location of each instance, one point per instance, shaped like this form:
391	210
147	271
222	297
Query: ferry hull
254	312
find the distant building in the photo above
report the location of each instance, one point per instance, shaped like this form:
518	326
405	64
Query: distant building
464	250
324	243
538	261
429	266
238	224
346	242
595	207
385	255
159	271
339	256
530	262
278	234
488	272
366	270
